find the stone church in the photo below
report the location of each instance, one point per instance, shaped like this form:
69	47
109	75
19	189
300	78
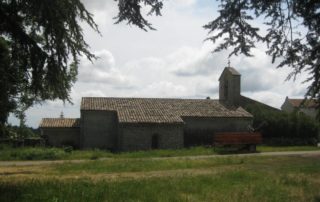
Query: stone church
127	124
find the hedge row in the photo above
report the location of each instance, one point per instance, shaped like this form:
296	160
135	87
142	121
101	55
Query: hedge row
283	126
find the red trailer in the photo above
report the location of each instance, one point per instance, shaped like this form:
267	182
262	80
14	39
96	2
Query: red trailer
249	140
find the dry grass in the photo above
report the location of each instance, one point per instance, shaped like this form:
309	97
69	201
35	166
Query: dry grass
294	178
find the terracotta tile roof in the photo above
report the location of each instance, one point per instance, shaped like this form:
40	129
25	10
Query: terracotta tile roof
59	123
160	110
233	71
308	103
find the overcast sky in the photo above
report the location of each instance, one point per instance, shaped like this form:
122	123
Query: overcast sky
173	61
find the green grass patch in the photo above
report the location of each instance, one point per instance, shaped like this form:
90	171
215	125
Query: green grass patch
143	165
286	148
193	151
42	153
262	163
266	178
234	185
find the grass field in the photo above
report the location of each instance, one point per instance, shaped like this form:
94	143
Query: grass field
40	153
277	178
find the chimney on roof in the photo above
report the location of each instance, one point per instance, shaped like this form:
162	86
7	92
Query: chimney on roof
229	87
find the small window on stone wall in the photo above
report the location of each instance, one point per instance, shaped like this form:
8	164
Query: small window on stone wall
155	141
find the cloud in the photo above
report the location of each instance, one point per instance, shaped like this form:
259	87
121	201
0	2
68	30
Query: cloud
271	98
163	89
102	71
183	3
93	93
194	62
173	61
99	5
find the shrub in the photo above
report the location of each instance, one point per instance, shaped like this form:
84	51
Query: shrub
37	154
284	128
68	149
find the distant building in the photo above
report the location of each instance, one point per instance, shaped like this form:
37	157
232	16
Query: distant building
308	107
128	124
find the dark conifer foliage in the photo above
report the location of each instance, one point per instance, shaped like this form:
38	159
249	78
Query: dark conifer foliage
41	41
8	83
130	11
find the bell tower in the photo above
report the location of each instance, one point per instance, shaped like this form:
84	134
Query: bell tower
229	87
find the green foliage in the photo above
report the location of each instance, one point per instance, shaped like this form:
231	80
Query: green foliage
4	132
292	33
288	126
17	132
68	149
40	43
7	152
35	154
130	11
8	83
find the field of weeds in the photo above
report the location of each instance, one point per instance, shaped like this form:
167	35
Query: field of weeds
43	153
268	178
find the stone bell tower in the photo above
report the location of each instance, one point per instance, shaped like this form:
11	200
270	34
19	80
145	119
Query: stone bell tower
229	87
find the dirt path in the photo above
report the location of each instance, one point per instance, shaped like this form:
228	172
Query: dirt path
287	153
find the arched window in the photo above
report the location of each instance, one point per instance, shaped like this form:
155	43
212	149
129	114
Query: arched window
155	141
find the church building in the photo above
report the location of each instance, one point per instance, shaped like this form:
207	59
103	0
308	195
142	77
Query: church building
128	124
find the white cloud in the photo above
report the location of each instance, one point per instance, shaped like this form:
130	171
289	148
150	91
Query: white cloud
170	62
102	71
161	89
183	3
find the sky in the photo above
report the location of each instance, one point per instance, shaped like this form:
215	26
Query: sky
174	61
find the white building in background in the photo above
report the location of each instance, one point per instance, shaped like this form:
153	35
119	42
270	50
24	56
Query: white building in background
309	107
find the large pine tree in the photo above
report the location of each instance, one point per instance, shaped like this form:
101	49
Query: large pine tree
40	42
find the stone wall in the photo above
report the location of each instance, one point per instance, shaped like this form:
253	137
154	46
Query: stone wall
200	131
230	88
140	136
99	129
287	106
58	137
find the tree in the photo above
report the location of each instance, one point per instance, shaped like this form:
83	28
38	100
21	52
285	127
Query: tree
280	127
292	34
130	11
40	42
7	82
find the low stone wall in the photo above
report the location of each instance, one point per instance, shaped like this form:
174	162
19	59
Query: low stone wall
142	136
59	137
